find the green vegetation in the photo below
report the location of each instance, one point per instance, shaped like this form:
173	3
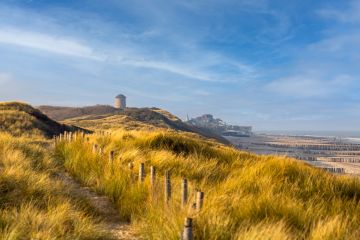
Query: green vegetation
33	203
246	196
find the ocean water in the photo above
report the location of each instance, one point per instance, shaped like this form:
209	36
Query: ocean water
353	135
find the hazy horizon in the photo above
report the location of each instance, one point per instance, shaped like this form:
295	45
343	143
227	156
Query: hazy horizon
275	65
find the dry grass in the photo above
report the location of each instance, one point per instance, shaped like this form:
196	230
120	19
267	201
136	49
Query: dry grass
33	204
246	196
108	122
19	124
22	120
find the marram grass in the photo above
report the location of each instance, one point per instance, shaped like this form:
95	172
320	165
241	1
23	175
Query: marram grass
246	196
33	204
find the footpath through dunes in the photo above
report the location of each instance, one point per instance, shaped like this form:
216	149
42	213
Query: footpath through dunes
39	200
34	204
243	195
103	207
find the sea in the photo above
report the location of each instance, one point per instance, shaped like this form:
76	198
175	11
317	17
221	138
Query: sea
352	136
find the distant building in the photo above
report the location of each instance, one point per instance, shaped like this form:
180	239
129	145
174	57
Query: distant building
120	101
220	127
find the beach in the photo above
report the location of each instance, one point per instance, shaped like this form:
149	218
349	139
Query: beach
333	153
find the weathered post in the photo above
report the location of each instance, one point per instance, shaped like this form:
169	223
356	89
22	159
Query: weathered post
131	165
187	233
199	200
152	176
70	136
142	172
184	192
111	156
167	186
95	147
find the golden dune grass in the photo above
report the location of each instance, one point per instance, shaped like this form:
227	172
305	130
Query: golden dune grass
33	204
246	196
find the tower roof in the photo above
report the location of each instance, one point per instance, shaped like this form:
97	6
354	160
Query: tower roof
120	96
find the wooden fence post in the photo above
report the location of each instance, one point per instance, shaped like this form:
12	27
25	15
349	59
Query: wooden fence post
95	146
131	165
152	176
142	172
111	156
70	136
167	186
184	192
187	233
199	200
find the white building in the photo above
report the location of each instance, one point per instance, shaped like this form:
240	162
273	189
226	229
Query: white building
120	101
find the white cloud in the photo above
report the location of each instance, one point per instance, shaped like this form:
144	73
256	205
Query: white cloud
169	67
121	55
350	15
308	86
45	42
339	43
133	47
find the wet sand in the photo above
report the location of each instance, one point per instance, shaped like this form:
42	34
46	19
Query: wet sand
323	152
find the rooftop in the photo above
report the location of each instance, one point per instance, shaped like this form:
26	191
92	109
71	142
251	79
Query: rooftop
120	96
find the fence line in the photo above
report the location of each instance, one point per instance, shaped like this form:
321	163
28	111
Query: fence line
187	232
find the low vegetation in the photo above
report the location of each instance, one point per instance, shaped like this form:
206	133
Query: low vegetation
20	119
34	204
104	117
246	196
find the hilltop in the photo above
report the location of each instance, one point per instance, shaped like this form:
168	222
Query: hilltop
61	113
20	119
104	117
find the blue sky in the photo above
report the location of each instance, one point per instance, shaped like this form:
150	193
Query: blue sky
273	64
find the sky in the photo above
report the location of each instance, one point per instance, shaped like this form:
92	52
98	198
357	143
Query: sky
272	64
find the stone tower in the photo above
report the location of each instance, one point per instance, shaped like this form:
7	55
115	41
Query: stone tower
120	102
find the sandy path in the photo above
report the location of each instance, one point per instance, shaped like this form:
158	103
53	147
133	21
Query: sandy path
103	206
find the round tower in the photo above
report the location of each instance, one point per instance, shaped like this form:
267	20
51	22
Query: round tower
120	101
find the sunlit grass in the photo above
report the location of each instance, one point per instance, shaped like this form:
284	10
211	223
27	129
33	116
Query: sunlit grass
246	196
33	204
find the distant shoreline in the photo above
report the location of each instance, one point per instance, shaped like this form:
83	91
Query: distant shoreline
351	135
